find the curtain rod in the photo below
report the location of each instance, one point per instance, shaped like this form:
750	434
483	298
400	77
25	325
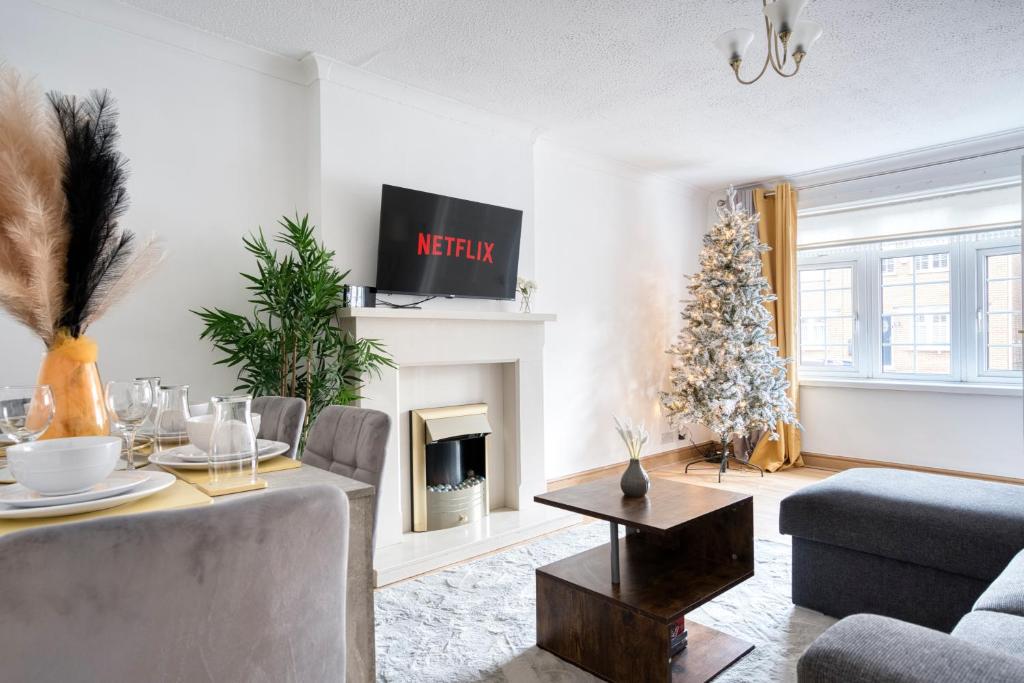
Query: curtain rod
771	193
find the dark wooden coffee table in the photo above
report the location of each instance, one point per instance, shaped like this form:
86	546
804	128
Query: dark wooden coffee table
608	610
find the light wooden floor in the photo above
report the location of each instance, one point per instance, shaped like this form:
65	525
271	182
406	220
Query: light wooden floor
768	491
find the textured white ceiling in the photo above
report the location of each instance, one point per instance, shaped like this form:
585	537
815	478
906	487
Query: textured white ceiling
640	81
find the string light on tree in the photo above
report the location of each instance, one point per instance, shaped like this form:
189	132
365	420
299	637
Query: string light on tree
727	374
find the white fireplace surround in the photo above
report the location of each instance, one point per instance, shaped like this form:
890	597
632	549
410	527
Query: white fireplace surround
424	338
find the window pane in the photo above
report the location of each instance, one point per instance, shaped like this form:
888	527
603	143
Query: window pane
898	358
1003	306
812	304
898	299
1004	295
999	358
1004	265
839	302
812	331
898	329
933	360
932	329
1001	329
812	279
931	267
898	270
812	355
838	278
932	297
840	332
839	356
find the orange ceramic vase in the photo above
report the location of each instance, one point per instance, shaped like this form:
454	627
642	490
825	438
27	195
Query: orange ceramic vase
69	367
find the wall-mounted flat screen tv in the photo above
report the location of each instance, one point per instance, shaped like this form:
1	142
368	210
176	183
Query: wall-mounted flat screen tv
433	245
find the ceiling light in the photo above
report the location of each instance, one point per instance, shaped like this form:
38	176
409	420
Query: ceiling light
787	36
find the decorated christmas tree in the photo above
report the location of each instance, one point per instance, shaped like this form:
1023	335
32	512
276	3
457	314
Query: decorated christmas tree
727	374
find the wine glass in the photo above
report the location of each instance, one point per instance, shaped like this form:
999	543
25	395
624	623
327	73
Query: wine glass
25	411
128	404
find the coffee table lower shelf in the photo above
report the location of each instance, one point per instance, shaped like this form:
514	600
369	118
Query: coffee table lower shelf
620	632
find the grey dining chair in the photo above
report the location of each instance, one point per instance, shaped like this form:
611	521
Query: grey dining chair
225	592
281	419
351	442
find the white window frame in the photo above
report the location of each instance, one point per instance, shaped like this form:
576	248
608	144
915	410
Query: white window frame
876	256
977	336
824	263
967	301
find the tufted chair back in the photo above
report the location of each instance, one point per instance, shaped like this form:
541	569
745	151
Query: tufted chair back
281	419
351	442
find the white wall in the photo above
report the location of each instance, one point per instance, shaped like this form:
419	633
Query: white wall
969	432
216	149
375	132
613	247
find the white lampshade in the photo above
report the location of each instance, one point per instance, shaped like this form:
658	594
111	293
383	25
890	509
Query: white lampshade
784	13
804	35
734	43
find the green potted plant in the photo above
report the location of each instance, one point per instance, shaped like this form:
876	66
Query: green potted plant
291	344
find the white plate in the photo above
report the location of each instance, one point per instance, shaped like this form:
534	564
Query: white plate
172	459
19	496
195	454
157	481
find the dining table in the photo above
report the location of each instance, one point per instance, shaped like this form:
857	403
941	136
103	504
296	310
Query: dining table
359	613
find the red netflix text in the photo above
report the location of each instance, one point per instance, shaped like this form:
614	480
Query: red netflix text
459	247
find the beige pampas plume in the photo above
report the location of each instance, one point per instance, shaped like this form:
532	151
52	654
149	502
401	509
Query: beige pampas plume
33	232
140	267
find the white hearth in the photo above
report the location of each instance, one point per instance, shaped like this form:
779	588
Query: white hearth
447	357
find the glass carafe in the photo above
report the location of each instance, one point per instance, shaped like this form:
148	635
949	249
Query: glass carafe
171	416
232	442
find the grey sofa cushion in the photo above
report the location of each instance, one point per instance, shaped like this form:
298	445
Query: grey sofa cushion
964	526
866	648
281	419
1003	632
251	590
1006	594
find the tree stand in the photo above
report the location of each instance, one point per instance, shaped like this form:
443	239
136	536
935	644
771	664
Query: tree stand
722	460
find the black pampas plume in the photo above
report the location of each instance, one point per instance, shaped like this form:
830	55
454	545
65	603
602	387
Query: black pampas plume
94	187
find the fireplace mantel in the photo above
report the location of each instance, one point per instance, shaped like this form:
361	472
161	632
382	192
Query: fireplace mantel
441	314
426	338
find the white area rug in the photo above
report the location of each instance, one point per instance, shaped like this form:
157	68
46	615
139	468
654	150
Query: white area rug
475	622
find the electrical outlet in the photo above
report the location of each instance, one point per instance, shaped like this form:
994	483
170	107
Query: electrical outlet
669	437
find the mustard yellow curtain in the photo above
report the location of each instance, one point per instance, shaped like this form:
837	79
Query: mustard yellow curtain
777	229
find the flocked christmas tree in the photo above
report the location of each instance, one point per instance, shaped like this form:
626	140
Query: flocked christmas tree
727	374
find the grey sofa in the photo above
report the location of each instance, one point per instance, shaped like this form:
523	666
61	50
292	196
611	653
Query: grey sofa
235	591
913	556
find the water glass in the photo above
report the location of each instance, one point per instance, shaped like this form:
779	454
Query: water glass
172	416
232	442
128	404
149	424
25	411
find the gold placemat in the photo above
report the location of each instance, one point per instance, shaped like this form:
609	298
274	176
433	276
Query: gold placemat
226	490
177	495
275	464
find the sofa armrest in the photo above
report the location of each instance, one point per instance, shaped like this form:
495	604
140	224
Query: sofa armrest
866	648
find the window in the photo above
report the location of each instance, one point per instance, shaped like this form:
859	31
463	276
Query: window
826	317
915	314
944	308
1001	311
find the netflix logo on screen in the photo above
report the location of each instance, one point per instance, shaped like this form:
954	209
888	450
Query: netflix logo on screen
458	247
433	245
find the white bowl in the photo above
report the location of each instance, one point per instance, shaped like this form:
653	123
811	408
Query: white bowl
57	467
200	427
